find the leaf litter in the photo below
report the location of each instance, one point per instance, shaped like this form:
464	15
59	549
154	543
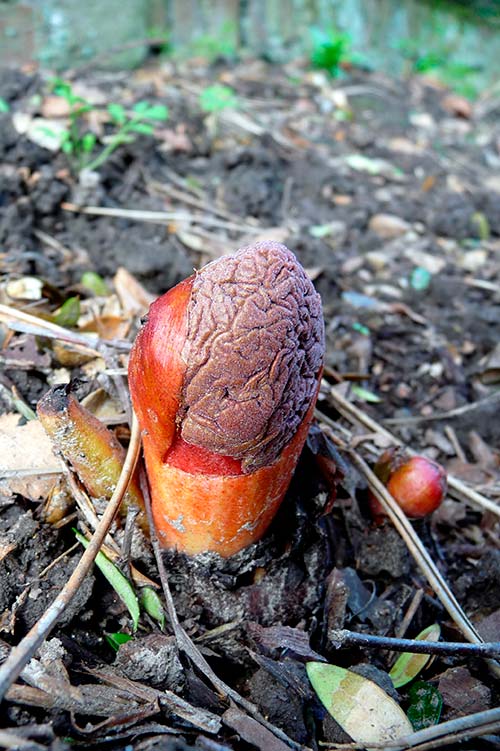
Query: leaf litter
403	241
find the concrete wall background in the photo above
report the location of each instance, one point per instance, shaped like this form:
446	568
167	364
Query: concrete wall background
60	34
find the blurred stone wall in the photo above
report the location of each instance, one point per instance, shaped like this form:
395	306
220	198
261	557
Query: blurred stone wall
60	34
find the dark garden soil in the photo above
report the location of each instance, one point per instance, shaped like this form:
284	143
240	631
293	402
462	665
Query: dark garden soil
389	194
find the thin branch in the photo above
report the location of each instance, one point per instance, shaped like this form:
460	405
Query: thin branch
342	637
160	217
46	328
469	726
25	650
451	413
457	487
21	321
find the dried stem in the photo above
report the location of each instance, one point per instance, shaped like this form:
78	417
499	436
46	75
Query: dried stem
161	217
342	638
21	321
25	650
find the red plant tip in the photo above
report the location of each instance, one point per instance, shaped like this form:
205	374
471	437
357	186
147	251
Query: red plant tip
416	483
223	377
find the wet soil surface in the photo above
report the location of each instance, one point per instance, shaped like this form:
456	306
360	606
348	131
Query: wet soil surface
388	193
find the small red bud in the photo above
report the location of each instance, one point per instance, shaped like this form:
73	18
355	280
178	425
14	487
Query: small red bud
417	484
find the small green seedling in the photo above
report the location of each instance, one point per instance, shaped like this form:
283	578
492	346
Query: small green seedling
329	50
79	144
4	106
139	121
217	98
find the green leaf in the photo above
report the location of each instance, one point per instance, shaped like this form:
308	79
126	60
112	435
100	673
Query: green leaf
67	146
120	583
217	98
322	230
117	639
365	395
4	106
95	283
409	664
151	603
141	107
361	328
69	312
117	113
425	707
156	112
88	142
61	88
144	128
360	707
482	225
79	111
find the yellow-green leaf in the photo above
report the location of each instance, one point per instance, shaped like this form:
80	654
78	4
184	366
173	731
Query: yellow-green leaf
152	604
69	312
360	707
408	665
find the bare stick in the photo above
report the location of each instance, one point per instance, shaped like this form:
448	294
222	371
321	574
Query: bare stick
458	488
25	650
342	638
38	326
160	217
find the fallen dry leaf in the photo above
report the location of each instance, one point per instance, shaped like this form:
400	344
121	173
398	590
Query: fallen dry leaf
29	466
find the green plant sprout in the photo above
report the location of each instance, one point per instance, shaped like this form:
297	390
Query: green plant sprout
79	145
217	98
140	121
439	62
73	143
4	106
329	49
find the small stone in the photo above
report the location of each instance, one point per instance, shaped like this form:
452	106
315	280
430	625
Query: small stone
152	658
388	226
473	260
457	105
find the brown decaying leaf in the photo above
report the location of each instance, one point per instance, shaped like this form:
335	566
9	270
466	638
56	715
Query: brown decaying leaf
462	693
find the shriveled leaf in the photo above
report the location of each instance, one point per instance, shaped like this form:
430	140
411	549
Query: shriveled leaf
425	707
117	639
151	603
69	313
408	665
120	583
360	707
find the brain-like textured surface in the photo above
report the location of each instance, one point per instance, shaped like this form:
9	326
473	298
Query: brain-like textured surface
254	351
